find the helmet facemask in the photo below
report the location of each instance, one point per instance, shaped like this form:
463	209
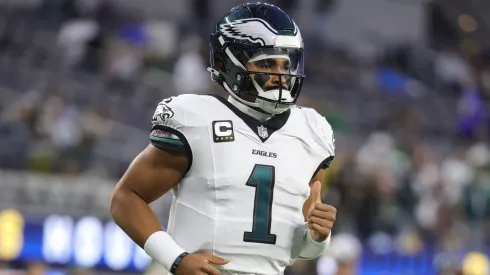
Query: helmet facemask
265	78
275	76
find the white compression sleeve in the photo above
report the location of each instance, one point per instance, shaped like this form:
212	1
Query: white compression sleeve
163	249
311	248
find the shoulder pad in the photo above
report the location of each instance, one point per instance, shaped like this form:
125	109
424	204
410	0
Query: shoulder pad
172	125
321	130
174	112
164	112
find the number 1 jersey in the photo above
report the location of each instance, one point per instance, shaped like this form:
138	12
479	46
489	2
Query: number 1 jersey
247	181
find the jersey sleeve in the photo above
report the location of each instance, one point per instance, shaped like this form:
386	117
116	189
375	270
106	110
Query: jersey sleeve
323	136
326	142
170	126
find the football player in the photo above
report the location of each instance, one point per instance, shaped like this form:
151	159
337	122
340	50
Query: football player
245	171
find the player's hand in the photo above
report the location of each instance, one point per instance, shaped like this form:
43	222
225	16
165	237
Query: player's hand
321	217
200	264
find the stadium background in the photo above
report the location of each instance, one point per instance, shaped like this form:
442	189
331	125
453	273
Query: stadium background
404	83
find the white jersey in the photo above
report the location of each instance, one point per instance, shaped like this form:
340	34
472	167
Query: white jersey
243	194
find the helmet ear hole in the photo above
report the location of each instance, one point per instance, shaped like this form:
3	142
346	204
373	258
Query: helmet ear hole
221	65
243	81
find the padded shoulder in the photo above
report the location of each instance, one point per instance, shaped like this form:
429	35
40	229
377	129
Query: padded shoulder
173	124
322	133
177	112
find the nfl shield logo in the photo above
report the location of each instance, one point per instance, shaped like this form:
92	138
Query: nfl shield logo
263	132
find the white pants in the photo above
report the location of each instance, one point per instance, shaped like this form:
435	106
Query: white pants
156	269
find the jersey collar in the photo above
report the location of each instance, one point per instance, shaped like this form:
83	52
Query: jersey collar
263	129
249	111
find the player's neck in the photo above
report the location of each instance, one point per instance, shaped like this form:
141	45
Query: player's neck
249	111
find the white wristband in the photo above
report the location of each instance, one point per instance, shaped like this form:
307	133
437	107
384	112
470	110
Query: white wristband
311	248
163	249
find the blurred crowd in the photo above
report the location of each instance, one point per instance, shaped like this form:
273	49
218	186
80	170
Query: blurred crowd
38	268
80	79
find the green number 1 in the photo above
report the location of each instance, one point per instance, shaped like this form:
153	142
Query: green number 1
262	179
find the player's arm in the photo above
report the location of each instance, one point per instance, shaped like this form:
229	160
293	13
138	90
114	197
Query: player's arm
155	171
320	217
319	176
151	174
